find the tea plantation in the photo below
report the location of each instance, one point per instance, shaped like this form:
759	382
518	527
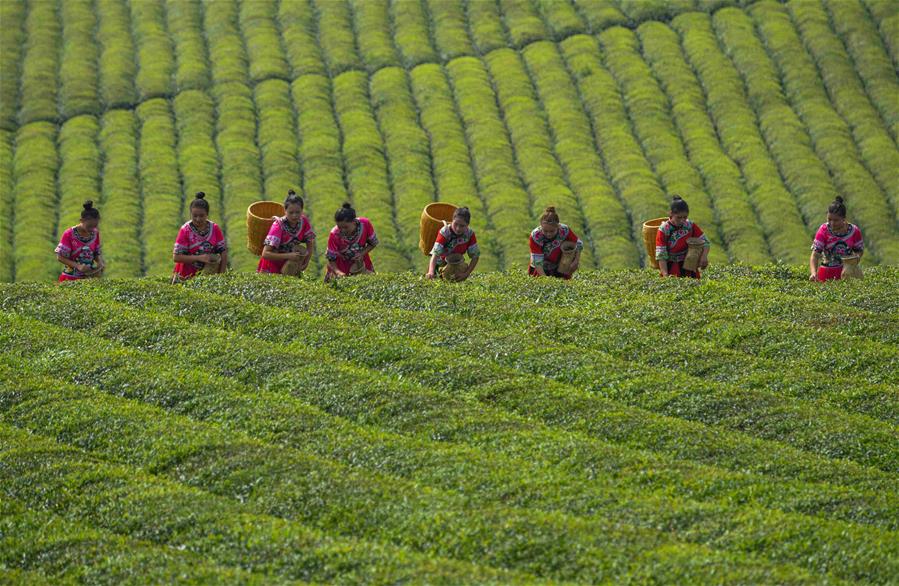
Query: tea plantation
620	428
386	429
759	113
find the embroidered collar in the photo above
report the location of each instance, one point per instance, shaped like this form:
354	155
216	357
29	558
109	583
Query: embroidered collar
196	230
292	230
83	239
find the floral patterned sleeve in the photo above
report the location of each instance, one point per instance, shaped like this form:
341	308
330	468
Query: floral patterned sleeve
274	236
473	248
309	233
536	252
333	243
372	239
64	248
439	245
698	233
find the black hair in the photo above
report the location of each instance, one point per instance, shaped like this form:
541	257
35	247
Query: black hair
550	215
837	207
345	214
293	199
463	214
679	206
200	202
90	212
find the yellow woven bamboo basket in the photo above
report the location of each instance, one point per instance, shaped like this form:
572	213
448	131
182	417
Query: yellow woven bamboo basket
650	229
433	218
259	221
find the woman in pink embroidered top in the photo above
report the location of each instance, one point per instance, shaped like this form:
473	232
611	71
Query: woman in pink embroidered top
199	242
349	244
79	247
835	240
286	233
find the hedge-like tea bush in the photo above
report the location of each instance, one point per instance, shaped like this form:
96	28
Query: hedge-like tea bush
336	36
745	239
122	209
161	192
625	162
79	170
260	34
118	64
604	214
78	63
448	27
12	38
411	33
7	206
34	232
155	53
492	155
788	236
371	23
38	84
830	133
648	108
185	24
198	163
296	25
523	22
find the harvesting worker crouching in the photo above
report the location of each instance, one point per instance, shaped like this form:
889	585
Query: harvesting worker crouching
839	243
79	247
681	248
453	241
290	243
349	245
200	245
555	248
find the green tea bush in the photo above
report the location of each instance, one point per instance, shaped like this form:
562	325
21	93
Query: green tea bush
38	84
34	231
371	23
605	219
258	26
118	63
79	170
78	63
627	166
12	38
185	23
788	236
155	53
161	191
336	36
448	26
121	206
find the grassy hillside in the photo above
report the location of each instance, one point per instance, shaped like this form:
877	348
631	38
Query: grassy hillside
759	113
617	428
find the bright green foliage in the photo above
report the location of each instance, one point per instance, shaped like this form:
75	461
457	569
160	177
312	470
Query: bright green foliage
758	112
326	433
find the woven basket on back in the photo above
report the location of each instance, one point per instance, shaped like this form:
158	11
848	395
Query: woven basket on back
260	216
650	230
433	218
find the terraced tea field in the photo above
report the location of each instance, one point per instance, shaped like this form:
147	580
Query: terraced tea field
759	113
621	428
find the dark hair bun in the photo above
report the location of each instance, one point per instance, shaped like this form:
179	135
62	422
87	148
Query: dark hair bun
677	198
89	204
291	192
839	199
347	206
201	195
550	209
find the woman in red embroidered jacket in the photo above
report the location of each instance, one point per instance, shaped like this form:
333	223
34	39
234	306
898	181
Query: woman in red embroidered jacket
198	243
455	238
835	240
349	244
286	232
671	242
546	246
79	247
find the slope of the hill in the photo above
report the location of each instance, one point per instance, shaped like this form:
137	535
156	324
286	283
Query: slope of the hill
759	113
620	427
